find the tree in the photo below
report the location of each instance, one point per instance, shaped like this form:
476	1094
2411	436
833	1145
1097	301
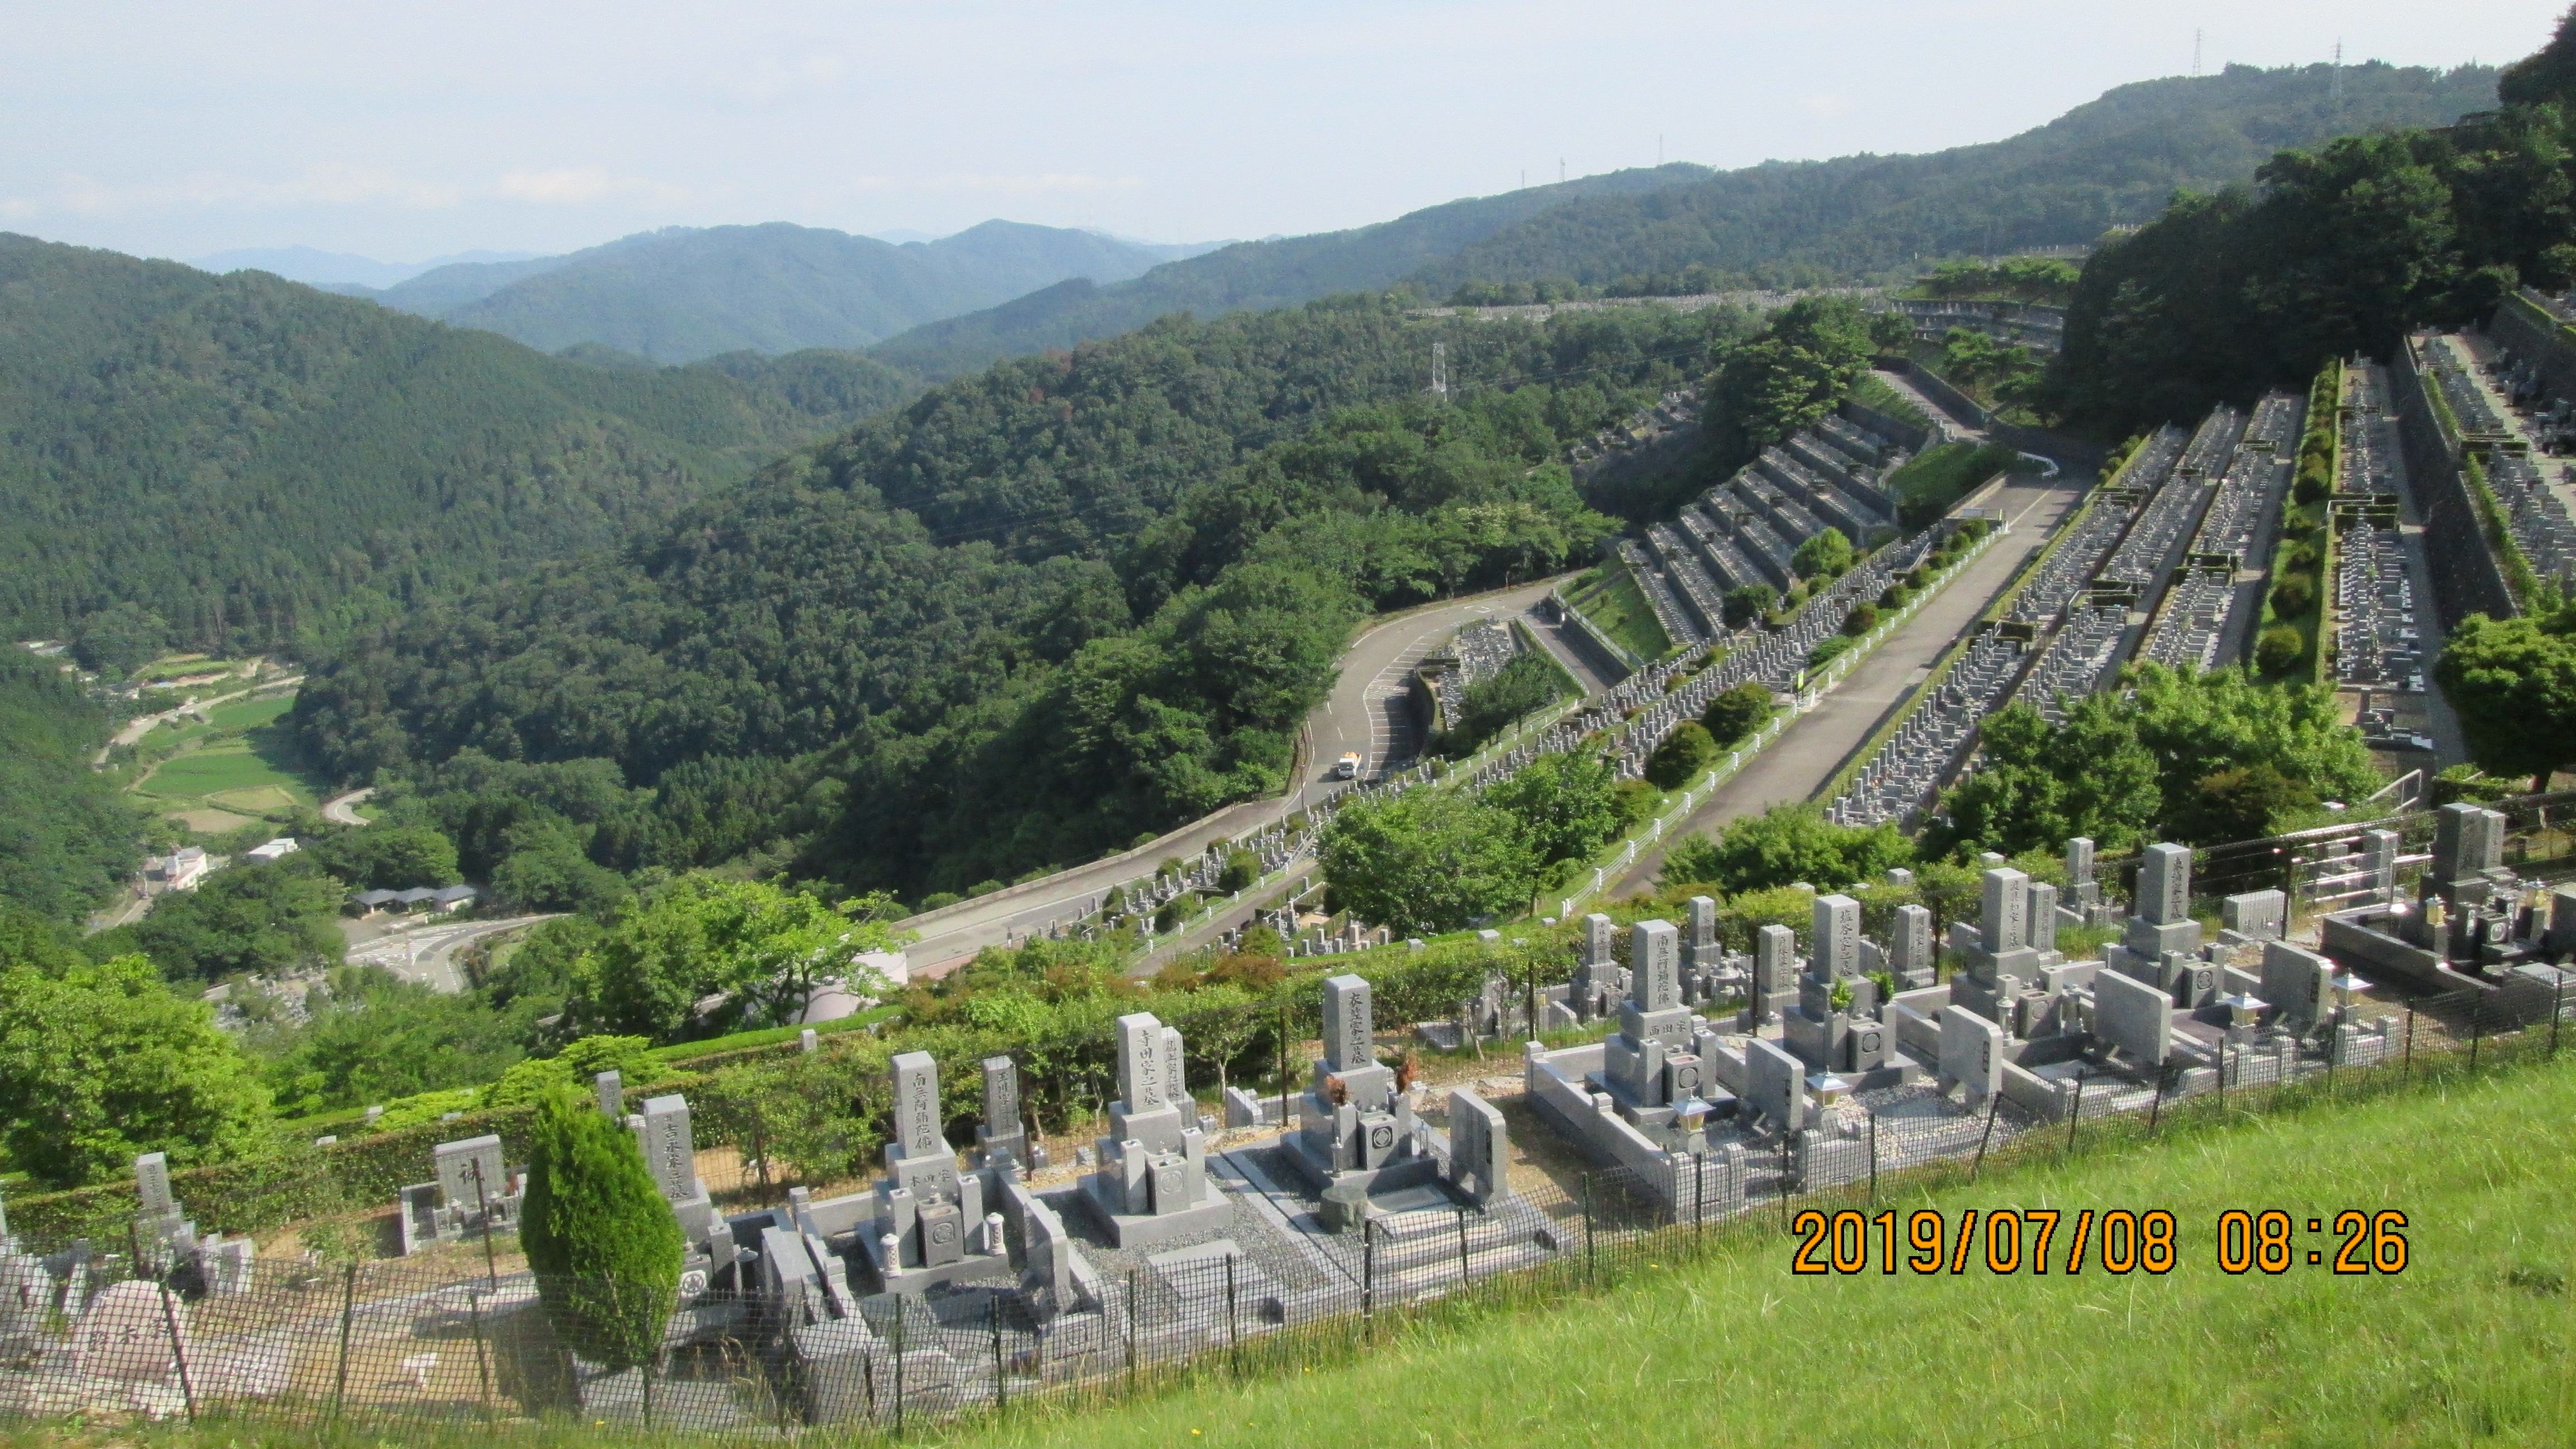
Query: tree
2513	682
1684	753
759	947
1783	845
120	639
1529	683
1746	603
270	918
100	1063
390	857
603	1244
1566	803
1826	555
1736	713
2248	803
1427	860
1242	868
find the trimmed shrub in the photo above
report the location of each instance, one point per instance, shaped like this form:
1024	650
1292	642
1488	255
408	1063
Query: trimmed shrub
1682	754
2293	595
603	1244
1862	619
2279	649
1737	713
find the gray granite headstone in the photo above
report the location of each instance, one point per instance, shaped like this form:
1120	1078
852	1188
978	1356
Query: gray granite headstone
2467	839
1597	942
1143	1083
2133	1016
2164	885
918	1121
1001	1094
2042	898
152	1184
1775	1084
1654	954
1775	956
1701	923
2560	939
2079	861
2004	921
2298	981
2255	915
1479	1151
458	1165
1349	1025
669	1149
611	1088
1972	1053
1910	942
1836	938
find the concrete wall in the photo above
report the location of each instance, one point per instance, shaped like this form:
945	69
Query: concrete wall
2467	576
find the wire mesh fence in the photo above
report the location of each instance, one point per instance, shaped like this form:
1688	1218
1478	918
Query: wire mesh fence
468	1337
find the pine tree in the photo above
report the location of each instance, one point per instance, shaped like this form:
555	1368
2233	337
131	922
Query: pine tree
603	1244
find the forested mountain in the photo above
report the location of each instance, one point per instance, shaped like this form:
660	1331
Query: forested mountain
2109	162
1039	611
684	293
1246	276
2339	250
257	462
66	838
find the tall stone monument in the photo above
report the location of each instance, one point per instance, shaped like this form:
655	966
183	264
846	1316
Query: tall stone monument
1650	1066
927	1211
1152	1183
1353	1125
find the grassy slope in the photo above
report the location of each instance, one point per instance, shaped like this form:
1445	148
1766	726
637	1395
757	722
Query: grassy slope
1737	1350
1619	609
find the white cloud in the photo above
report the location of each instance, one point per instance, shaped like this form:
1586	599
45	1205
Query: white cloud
326	183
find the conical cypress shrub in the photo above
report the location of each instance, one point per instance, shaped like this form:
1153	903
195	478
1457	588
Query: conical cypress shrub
604	1246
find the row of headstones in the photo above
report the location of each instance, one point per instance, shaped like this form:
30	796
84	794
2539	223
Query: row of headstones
1909	770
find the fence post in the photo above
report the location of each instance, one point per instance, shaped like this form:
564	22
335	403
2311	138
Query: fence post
1233	1323
1131	1332
482	1360
178	1350
1462	1247
2406	1069
2477	1029
1368	1275
898	1364
1001	1380
1283	1069
2074	1113
1994	1104
2557	1004
1589	1261
2155	1109
1873	1159
483	1209
348	1314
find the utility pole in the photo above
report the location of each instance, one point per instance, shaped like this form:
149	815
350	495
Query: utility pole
1560	171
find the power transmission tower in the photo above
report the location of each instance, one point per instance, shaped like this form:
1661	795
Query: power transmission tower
2334	82
2195	51
1440	371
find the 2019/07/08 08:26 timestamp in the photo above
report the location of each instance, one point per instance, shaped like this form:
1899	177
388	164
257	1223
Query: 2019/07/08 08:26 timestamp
2116	1241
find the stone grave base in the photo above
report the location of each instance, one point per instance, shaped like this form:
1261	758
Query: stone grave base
1144	1230
1400	1173
973	1268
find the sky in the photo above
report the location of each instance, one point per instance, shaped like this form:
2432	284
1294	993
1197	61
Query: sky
404	131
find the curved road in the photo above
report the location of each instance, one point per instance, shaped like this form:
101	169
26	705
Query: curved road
1365	712
137	728
342	809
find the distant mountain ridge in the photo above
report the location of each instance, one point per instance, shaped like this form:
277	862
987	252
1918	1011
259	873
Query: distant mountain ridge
266	465
685	293
336	271
2111	161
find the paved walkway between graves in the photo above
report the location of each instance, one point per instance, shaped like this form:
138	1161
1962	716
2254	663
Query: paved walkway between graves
1810	752
1364	713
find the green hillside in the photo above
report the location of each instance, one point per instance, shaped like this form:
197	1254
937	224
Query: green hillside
1246	276
685	293
1039	611
2111	161
66	838
256	462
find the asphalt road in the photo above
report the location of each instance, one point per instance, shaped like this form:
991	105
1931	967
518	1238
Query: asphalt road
1813	749
343	809
427	953
1364	712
